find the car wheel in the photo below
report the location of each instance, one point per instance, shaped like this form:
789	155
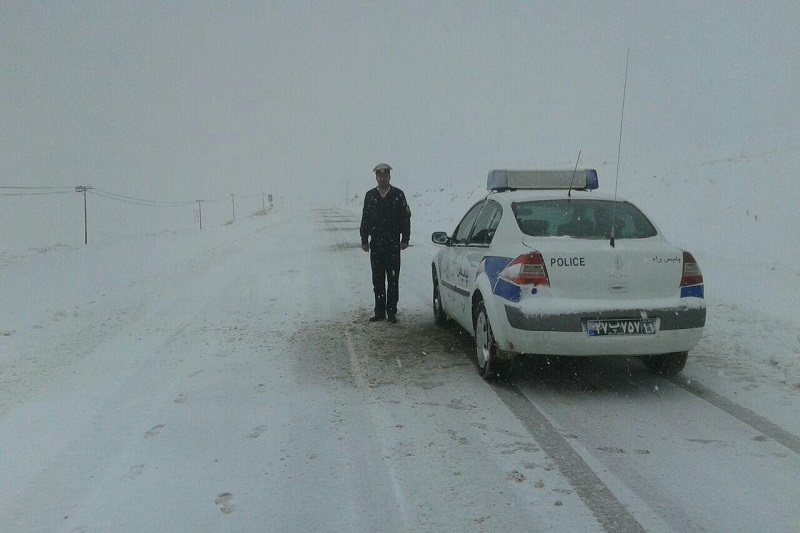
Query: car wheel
439	316
667	364
486	351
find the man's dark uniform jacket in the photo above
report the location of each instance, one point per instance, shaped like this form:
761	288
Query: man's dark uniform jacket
386	220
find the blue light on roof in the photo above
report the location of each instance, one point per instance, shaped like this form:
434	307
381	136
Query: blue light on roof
576	179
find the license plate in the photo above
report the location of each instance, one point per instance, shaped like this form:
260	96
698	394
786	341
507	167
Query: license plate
633	326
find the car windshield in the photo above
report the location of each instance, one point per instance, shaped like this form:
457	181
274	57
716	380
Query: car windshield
582	219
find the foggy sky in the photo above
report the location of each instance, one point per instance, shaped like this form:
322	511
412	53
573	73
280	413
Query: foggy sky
179	101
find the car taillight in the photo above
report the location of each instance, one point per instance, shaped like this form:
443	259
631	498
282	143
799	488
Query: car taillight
691	271
527	269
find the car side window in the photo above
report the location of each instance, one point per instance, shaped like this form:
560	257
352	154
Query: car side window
486	224
461	234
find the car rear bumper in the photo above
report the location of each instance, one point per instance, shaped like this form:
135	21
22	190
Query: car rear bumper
671	318
678	330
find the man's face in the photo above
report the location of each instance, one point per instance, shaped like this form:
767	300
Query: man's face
383	177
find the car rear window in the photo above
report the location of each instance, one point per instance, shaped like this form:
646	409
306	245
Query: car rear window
581	219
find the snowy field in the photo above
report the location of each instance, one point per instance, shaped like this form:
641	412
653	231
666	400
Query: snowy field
172	379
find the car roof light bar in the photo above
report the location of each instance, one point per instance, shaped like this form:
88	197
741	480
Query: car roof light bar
501	180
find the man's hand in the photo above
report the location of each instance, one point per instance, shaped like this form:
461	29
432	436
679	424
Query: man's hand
365	247
403	245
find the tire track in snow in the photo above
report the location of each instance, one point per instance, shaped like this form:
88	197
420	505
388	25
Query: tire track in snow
752	419
361	384
610	512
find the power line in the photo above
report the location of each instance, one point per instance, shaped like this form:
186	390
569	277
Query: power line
41	191
15	187
138	201
33	193
224	199
85	190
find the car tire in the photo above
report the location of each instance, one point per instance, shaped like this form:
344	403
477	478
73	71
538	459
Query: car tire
490	365
439	315
666	364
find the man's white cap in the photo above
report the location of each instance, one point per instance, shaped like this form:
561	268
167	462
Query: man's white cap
381	166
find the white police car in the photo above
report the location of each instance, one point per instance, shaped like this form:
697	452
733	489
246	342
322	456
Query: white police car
546	265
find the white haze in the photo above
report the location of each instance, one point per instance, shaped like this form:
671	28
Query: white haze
185	101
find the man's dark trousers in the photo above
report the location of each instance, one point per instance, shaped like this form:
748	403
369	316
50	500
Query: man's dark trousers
384	257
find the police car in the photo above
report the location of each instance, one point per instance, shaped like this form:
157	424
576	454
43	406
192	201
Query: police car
546	265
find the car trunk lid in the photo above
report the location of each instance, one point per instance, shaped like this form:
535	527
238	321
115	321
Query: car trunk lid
592	268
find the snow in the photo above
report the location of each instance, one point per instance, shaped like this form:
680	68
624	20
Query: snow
226	378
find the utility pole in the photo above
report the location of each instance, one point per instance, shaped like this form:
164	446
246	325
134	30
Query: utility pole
263	201
233	206
83	189
200	210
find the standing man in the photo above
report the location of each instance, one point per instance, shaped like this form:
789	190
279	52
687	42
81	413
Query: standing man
385	230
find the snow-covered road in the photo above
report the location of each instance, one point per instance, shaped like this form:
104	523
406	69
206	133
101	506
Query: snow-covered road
228	380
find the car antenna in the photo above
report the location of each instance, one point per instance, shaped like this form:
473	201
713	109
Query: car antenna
619	149
569	192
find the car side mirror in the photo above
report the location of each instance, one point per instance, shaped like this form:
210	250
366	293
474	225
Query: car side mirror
440	237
